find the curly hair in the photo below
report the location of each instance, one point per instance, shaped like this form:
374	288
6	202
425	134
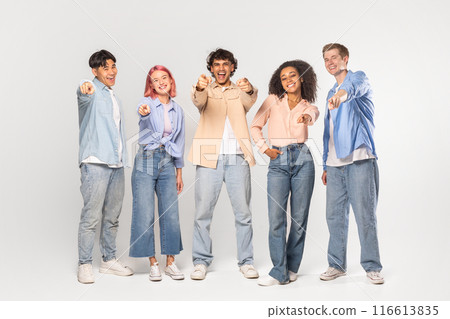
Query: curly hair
221	54
306	72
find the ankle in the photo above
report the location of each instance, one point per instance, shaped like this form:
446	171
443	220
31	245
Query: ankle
170	260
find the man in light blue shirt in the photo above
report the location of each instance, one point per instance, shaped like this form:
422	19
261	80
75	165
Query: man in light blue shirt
350	166
102	158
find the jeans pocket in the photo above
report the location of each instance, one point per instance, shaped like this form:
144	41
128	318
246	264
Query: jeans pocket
165	162
144	161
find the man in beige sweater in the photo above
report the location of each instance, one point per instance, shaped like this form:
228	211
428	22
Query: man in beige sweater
222	152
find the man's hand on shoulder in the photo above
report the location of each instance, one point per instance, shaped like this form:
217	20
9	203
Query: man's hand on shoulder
87	88
203	82
245	85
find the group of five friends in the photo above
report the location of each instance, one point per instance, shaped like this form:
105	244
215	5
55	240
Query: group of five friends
222	153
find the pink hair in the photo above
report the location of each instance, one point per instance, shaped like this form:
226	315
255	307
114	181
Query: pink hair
150	90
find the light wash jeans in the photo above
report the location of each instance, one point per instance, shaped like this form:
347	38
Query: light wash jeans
235	172
102	189
291	172
355	184
154	171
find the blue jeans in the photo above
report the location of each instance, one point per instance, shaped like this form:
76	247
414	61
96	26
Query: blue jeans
154	171
291	172
355	184
102	189
235	172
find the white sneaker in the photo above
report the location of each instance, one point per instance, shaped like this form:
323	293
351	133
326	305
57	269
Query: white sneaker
199	272
174	272
268	281
115	267
85	274
249	271
375	277
155	274
292	276
331	273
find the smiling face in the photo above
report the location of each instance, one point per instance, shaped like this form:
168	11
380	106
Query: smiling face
334	63
290	80
221	70
106	74
161	82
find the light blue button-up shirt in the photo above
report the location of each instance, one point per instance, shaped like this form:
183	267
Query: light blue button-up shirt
99	135
151	129
353	120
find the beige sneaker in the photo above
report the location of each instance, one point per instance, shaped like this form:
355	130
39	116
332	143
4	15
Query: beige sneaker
115	267
174	272
375	277
268	281
331	273
292	276
155	273
249	271
199	272
85	274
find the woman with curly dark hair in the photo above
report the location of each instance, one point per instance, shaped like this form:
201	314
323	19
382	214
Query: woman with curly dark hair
292	88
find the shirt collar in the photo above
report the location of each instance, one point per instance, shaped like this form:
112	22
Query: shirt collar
100	85
215	85
157	103
349	74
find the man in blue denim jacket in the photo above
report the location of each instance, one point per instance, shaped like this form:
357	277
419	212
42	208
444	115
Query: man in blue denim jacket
102	158
350	166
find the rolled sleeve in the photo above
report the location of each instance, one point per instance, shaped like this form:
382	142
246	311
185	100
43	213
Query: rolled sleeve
355	85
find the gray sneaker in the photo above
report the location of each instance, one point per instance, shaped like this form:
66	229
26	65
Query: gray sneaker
331	273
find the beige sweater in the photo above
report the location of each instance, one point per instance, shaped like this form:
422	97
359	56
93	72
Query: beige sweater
214	106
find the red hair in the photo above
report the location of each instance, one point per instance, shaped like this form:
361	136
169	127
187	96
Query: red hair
150	90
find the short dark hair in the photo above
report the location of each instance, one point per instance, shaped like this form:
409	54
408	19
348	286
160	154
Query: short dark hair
343	51
99	59
221	54
306	72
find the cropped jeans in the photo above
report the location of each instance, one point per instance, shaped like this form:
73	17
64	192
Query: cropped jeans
154	171
292	172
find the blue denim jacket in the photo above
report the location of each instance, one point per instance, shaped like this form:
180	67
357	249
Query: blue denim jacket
353	120
151	128
98	133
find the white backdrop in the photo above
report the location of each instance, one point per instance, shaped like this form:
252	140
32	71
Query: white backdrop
403	48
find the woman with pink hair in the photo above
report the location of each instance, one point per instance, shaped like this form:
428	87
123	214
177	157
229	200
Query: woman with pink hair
157	169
